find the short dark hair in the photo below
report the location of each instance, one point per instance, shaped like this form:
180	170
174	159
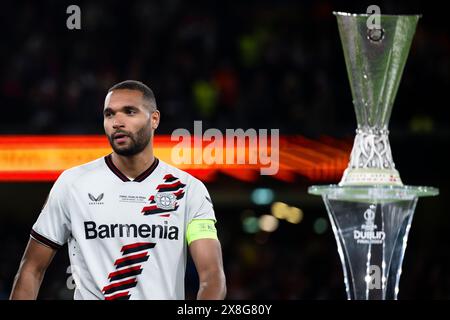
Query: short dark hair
138	86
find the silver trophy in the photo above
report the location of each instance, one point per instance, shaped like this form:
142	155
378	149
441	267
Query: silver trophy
370	209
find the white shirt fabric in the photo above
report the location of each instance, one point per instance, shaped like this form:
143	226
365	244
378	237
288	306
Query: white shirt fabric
126	239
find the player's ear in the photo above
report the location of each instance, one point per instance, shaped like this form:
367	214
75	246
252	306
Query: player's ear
155	119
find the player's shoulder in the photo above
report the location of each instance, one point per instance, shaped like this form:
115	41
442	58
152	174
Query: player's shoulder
73	174
183	176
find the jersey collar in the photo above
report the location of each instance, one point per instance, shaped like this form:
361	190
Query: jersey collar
139	178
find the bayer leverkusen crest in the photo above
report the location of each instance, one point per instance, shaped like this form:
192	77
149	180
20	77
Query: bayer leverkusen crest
165	200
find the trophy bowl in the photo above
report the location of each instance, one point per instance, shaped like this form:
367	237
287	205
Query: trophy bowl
371	210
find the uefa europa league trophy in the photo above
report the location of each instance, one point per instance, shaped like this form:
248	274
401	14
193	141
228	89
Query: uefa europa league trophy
370	209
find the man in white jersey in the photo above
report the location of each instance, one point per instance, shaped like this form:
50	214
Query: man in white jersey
128	218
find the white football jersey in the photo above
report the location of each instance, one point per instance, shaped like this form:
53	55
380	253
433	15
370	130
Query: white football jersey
126	238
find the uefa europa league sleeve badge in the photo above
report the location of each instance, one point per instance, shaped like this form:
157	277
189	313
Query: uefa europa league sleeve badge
370	209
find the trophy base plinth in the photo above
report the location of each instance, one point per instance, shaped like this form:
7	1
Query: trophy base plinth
371	226
370	177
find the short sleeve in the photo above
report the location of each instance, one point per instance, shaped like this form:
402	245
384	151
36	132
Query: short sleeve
199	203
53	225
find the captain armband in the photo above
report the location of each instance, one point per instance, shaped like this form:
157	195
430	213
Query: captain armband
201	229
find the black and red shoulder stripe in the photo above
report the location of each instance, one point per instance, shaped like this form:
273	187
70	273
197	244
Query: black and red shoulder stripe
45	241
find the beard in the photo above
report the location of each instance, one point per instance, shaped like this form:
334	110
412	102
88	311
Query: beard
138	142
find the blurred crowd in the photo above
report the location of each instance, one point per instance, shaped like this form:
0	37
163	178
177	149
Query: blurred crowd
250	64
231	64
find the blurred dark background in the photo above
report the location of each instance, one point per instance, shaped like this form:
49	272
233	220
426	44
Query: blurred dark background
231	64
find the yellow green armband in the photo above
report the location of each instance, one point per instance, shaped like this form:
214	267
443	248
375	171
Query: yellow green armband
201	229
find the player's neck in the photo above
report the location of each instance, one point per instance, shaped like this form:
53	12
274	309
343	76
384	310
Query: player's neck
133	166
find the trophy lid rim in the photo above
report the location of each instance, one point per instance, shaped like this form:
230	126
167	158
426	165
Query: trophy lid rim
348	14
